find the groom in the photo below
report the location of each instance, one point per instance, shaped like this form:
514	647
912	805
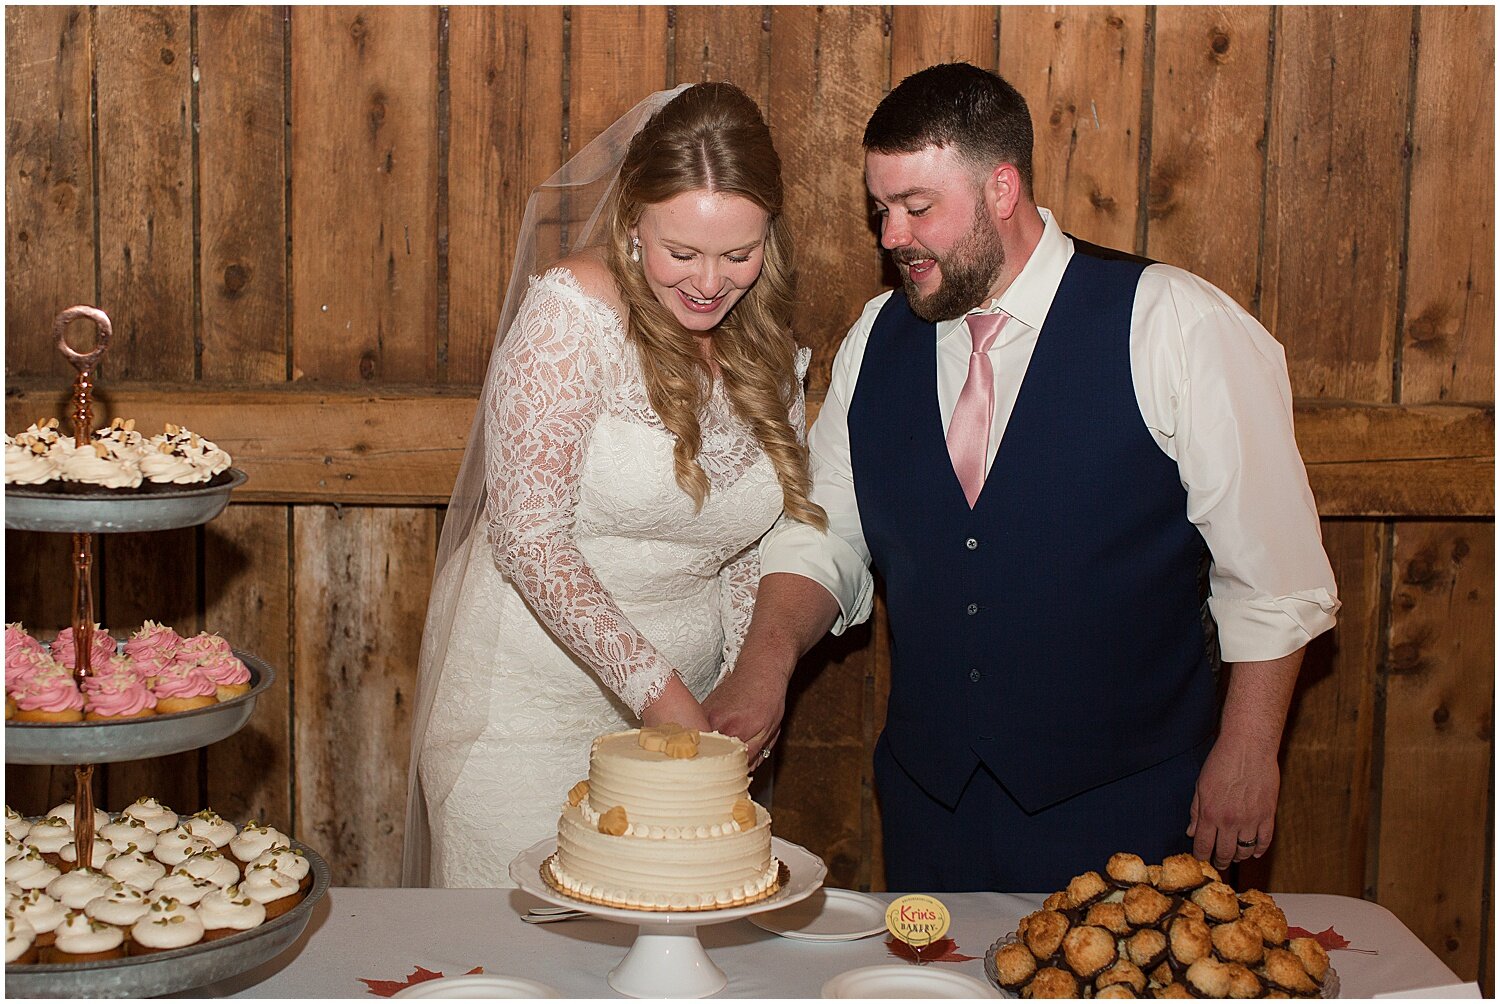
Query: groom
1076	473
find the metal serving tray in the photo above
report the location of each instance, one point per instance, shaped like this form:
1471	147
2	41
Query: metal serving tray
29	508
47	743
181	968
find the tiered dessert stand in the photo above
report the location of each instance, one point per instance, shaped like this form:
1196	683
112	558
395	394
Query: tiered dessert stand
84	744
667	959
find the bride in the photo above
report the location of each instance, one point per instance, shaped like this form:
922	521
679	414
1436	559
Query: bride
641	426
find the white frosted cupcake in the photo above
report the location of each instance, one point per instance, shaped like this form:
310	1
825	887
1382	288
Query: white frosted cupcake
65	810
75	888
30	870
229	911
20	942
254	840
67	858
274	890
16	824
13	846
157	817
211	865
173	846
286	860
81	938
125	831
41	911
48	835
134	868
168	924
179	885
211	826
122	906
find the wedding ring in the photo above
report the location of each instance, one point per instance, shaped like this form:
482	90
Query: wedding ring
765	754
1245	843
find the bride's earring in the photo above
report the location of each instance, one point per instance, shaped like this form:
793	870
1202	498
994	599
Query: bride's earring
635	249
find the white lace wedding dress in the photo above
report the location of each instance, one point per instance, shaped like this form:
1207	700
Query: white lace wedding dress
590	581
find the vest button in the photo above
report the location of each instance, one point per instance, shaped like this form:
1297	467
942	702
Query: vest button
974	675
972	608
971	544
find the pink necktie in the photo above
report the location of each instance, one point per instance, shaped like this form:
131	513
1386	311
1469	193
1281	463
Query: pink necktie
969	429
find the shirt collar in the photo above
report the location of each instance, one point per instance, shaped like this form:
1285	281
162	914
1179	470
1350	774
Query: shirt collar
1029	296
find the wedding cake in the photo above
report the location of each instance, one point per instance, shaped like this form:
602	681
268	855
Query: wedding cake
664	822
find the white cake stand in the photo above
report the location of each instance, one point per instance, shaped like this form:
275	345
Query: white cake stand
667	959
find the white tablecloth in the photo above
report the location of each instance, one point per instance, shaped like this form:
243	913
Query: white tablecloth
385	933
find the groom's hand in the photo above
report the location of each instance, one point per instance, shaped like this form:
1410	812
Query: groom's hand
749	703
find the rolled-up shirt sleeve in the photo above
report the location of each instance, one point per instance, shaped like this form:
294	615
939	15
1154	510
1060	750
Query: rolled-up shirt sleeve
1219	402
837	559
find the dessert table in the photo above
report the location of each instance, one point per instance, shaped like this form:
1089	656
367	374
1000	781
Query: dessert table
386	933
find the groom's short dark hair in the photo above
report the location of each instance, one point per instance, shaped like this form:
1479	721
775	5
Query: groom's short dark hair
955	104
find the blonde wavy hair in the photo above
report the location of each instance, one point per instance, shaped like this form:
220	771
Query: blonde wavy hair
711	137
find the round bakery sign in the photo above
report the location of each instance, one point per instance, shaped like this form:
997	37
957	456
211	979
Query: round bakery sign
917	920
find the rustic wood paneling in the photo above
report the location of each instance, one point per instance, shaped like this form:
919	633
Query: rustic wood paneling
1209	92
149	576
1365	133
242	190
617	57
724	43
827	75
1448	345
364	193
49	181
1439	737
404	446
505	138
357	630
1081	71
1336	174
1327	754
145	133
248	600
923	36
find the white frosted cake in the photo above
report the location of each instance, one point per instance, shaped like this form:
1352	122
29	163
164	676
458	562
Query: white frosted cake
664	822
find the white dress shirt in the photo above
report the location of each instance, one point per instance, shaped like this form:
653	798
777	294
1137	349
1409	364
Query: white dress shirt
1212	388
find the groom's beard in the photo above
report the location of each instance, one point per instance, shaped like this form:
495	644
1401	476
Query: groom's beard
969	270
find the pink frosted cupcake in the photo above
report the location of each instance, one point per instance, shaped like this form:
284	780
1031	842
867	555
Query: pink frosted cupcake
201	646
18	641
25	664
183	688
229	675
154	643
64	648
48	698
116	696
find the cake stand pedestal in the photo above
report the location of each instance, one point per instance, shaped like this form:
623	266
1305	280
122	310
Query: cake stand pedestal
667	959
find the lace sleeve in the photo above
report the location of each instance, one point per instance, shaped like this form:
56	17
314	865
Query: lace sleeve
738	581
551	393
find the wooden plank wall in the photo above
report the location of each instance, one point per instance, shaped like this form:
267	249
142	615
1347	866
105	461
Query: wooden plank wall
305	210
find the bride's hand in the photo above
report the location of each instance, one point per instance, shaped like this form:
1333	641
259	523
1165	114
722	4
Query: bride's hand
677	705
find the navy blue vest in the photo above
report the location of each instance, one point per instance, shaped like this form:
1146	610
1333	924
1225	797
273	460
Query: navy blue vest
1054	631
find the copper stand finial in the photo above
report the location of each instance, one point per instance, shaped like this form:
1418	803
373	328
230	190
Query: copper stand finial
83	552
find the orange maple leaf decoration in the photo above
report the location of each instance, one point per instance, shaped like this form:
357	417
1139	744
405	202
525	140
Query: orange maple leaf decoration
941	950
389	988
1329	939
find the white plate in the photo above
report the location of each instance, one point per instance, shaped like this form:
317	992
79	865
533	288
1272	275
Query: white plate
479	986
906	981
827	915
